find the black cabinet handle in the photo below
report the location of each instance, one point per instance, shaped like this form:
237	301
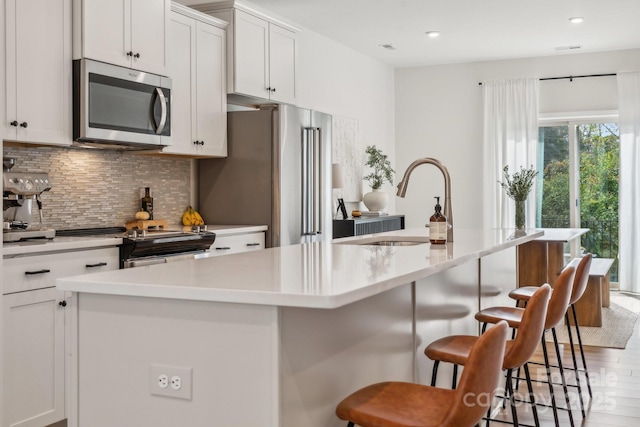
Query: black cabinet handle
62	303
44	270
100	264
24	125
223	248
14	123
137	55
198	142
129	53
253	244
273	90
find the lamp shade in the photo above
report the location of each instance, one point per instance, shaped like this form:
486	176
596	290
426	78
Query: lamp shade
336	175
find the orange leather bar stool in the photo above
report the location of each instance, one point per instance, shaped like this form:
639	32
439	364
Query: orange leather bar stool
580	280
401	404
558	304
456	349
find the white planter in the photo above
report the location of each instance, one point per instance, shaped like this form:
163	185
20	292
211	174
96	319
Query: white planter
376	200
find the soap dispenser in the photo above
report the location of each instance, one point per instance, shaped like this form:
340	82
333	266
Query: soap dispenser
438	225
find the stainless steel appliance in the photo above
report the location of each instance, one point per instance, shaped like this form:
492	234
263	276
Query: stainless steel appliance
143	247
20	190
278	173
117	107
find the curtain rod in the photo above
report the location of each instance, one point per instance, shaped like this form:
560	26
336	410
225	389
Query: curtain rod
570	78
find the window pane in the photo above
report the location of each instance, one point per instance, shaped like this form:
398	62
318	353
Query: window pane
554	209
599	170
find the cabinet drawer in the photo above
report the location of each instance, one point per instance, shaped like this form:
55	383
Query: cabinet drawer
239	243
41	271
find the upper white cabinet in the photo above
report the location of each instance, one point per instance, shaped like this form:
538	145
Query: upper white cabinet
129	33
197	68
38	71
261	52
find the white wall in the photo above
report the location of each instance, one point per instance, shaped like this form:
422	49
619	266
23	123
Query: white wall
439	114
340	81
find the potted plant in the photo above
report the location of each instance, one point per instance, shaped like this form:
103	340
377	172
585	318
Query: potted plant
381	171
518	187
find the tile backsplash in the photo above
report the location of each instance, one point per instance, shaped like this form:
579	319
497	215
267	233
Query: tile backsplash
101	188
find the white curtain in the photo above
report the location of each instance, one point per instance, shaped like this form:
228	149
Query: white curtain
629	185
510	138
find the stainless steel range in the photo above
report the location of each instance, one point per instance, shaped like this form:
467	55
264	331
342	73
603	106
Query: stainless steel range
20	190
147	247
143	247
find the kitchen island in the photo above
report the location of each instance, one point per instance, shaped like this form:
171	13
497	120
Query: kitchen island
274	337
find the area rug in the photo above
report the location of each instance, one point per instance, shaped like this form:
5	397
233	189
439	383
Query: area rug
618	322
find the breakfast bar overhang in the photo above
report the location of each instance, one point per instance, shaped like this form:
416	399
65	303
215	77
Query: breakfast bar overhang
274	337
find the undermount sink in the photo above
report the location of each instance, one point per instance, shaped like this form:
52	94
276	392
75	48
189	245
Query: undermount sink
388	241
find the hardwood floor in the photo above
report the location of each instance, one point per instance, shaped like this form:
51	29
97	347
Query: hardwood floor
615	382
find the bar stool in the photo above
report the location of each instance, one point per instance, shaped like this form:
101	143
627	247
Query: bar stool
558	304
580	280
401	404
455	349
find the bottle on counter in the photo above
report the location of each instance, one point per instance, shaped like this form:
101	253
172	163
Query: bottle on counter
438	225
147	202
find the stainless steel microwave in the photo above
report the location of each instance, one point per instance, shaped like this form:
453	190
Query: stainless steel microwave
120	108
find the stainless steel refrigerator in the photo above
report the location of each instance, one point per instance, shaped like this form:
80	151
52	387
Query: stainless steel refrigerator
277	173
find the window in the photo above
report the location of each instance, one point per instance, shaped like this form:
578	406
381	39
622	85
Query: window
578	182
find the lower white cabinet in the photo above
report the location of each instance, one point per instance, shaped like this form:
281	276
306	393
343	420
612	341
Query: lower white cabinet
33	330
225	245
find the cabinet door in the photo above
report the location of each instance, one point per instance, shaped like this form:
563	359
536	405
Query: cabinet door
282	64
33	352
149	21
211	99
183	74
251	55
38	71
106	31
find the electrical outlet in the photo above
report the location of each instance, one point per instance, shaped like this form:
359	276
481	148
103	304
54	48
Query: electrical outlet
177	377
163	381
176	382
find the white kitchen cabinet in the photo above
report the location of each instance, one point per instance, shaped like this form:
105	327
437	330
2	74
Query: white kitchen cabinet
129	33
34	347
38	71
261	52
232	244
197	66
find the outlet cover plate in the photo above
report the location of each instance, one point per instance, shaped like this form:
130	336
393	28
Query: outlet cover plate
184	373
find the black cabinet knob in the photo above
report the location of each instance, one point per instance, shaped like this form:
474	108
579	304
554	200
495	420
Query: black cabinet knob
137	55
24	125
14	123
273	90
62	303
129	53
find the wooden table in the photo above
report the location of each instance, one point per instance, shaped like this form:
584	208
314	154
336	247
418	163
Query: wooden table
541	260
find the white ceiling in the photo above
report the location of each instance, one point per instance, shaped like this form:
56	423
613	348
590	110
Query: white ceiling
471	30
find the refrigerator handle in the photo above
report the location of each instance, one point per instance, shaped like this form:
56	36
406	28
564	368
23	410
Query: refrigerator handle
317	182
307	182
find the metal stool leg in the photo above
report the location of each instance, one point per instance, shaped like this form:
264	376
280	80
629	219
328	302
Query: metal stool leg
575	364
455	377
434	373
564	382
532	398
551	392
584	362
512	401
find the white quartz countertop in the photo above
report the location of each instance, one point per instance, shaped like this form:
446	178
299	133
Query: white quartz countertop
70	243
314	275
562	234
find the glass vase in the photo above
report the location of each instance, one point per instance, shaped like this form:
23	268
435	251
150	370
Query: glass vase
520	216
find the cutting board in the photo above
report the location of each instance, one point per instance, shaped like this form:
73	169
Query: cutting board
145	224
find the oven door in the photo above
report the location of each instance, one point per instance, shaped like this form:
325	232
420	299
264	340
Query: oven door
159	259
121	106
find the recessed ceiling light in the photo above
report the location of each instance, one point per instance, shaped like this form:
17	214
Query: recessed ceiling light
433	34
576	19
388	46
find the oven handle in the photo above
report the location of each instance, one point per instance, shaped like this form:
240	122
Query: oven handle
140	262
